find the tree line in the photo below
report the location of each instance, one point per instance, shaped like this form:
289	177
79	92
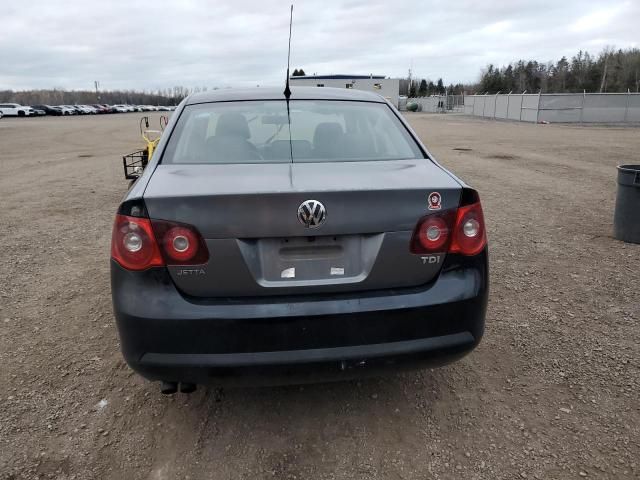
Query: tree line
421	87
610	71
59	96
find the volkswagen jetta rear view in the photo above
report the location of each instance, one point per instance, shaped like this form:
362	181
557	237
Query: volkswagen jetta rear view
273	240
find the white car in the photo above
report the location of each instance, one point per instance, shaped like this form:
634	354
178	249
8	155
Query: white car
120	108
16	110
88	109
67	110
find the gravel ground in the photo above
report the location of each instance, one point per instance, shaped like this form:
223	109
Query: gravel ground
552	391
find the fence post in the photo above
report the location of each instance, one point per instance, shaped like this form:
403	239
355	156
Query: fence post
626	107
507	113
521	102
495	104
538	108
584	94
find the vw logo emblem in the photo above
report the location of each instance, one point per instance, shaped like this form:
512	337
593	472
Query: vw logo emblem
312	213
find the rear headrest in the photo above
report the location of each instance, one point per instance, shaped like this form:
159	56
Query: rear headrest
232	124
326	134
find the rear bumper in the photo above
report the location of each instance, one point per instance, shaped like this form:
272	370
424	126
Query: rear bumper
167	336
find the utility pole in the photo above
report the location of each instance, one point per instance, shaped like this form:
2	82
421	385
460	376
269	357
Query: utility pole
603	84
97	85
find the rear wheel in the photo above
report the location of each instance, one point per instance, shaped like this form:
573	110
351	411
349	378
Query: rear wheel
21	113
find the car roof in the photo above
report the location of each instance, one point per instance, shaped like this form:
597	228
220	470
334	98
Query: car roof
297	93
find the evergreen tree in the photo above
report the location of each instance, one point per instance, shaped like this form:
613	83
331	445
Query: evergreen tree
611	71
422	91
412	89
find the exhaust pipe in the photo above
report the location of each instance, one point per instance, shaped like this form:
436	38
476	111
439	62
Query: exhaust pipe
168	388
187	387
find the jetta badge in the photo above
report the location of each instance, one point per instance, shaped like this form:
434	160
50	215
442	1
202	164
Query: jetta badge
312	213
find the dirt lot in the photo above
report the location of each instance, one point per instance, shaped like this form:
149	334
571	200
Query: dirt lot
552	391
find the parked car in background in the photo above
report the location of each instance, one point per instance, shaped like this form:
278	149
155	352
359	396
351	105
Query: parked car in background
76	109
120	108
67	110
38	111
48	109
100	108
16	110
86	109
164	109
1	114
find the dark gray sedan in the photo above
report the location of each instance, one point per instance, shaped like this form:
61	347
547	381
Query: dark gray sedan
272	241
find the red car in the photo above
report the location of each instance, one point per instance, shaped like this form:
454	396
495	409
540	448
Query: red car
101	108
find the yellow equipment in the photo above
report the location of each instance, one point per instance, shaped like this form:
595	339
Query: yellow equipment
134	163
152	137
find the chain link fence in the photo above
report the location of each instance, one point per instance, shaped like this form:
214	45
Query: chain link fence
557	107
439	103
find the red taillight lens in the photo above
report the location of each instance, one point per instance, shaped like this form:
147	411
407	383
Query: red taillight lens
181	244
140	243
432	234
456	231
469	234
133	244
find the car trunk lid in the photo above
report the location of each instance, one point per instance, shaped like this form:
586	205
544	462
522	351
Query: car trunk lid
248	215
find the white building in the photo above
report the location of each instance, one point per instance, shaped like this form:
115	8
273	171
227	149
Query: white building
387	87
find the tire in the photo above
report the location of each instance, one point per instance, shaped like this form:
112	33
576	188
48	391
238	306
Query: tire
21	113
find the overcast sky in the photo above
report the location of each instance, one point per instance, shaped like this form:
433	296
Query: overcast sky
135	44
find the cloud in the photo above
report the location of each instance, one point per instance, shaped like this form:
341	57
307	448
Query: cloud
134	44
600	19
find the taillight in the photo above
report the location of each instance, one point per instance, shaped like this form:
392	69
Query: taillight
456	231
139	243
432	234
469	235
181	244
133	244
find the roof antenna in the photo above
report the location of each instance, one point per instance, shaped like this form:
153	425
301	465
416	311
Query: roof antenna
287	90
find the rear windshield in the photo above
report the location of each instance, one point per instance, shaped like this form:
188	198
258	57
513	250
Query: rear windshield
259	132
